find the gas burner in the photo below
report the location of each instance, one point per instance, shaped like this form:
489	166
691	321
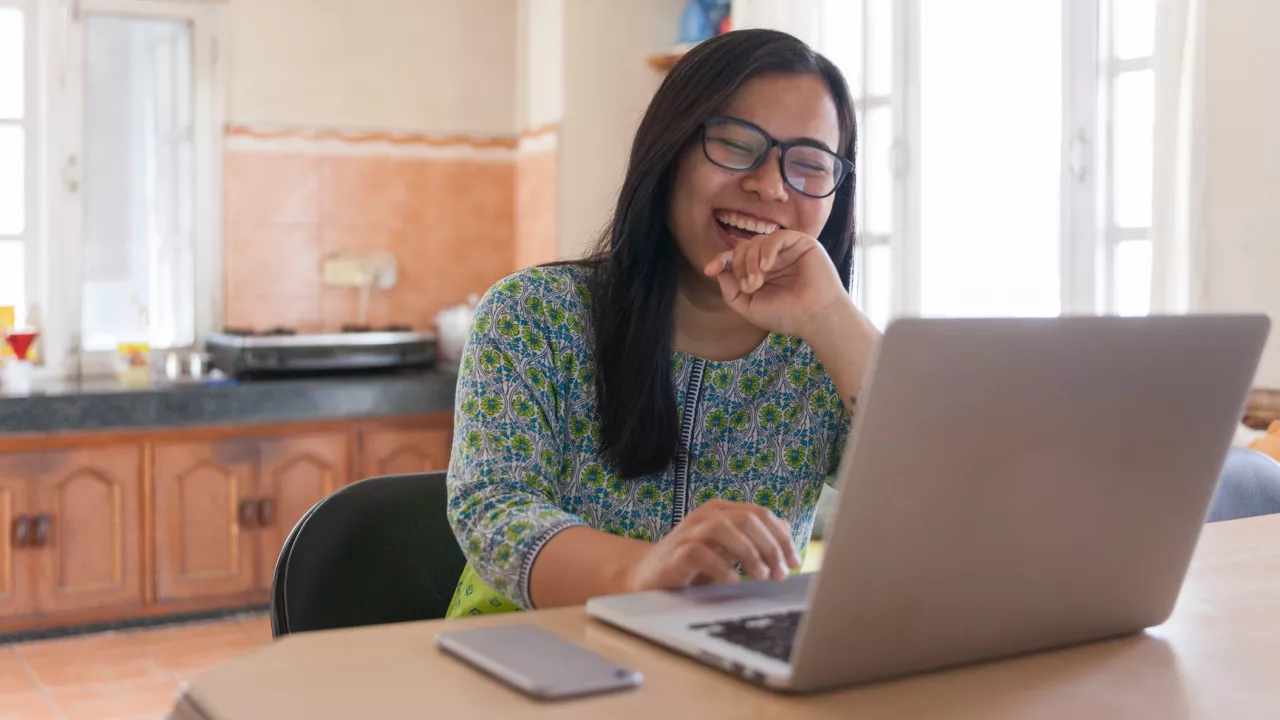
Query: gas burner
354	328
273	332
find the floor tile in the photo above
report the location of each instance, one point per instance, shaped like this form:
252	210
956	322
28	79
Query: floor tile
14	679
27	706
109	658
120	701
220	631
258	629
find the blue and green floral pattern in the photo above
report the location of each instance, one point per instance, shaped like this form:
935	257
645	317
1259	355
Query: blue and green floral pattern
768	428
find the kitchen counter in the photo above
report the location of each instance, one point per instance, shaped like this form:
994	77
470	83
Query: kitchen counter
102	405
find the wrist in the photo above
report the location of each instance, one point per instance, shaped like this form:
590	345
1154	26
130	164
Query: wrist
833	324
620	572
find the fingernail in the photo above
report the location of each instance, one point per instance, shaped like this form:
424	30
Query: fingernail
762	571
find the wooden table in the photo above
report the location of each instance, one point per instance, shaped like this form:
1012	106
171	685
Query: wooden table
1218	656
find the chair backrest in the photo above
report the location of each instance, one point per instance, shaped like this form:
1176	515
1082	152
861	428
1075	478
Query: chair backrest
1249	486
377	551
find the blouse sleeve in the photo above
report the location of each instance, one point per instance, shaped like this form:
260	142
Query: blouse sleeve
506	444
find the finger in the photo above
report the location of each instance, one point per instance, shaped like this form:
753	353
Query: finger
718	264
695	558
740	264
725	534
769	254
791	248
771	547
755	276
782	530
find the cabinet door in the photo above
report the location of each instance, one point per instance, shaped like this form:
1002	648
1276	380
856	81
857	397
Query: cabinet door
201	491
395	450
17	579
89	504
296	473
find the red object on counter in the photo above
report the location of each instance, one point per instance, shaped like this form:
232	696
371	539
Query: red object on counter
21	341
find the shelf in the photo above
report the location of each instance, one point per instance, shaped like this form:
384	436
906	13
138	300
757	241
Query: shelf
664	61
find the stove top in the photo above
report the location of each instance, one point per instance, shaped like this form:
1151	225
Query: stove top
284	351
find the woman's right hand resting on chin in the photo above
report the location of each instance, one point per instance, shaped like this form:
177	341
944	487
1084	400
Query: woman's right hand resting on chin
580	562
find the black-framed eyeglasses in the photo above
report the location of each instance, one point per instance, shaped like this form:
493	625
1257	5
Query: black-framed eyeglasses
807	168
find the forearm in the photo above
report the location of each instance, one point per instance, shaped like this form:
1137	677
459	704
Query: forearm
844	340
579	563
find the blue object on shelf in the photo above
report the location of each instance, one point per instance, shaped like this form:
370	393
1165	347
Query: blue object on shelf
701	20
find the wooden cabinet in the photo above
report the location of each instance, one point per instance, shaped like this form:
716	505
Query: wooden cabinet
90	522
73	524
17	579
203	496
399	450
176	520
294	474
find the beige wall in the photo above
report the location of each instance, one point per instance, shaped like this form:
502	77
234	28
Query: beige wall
429	66
607	86
1242	209
540	63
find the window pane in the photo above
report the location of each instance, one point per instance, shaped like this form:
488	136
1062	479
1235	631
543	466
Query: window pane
13	168
876	173
139	273
875	283
1134	148
842	39
13	276
990	171
1133	277
879	47
1134	28
12	65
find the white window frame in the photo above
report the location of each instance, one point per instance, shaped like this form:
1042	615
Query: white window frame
1088	233
32	125
60	271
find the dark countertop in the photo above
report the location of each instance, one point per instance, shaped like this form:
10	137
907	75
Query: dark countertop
98	405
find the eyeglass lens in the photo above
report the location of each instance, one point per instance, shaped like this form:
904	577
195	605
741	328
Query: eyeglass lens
737	146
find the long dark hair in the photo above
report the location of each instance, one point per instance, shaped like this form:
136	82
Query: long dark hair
633	266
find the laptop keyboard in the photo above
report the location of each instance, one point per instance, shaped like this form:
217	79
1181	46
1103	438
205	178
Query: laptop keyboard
772	634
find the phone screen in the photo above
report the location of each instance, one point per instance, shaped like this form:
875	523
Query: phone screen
537	662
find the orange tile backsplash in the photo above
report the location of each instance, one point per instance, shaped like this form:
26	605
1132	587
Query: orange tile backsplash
457	223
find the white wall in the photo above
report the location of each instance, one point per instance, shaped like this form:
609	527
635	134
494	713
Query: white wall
1242	209
608	83
540	63
432	66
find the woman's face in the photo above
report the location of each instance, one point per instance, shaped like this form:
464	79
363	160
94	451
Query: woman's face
713	209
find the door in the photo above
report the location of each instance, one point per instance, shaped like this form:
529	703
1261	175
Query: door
204	514
395	451
89	529
17	580
295	474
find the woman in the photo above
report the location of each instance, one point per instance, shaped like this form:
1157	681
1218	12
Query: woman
665	412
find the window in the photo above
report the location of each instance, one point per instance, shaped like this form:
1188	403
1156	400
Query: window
18	140
129	247
1005	159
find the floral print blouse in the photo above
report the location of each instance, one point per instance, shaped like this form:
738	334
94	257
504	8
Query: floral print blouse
768	428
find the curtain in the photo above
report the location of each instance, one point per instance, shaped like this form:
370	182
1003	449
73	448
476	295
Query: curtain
1177	225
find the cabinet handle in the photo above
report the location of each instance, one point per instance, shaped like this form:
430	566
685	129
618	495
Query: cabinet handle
266	512
21	531
40	538
248	514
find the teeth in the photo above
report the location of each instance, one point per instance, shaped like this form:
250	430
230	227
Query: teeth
758	227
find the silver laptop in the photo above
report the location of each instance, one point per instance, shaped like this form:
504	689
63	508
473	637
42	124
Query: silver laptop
1010	486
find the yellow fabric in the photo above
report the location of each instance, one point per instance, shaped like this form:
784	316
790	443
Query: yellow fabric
473	597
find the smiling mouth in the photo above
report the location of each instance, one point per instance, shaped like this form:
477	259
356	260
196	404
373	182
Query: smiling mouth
742	227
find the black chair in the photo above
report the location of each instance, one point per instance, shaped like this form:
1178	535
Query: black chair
377	551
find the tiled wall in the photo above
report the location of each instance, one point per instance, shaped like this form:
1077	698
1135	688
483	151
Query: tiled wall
459	213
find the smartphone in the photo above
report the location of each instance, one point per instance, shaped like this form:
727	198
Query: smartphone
537	663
